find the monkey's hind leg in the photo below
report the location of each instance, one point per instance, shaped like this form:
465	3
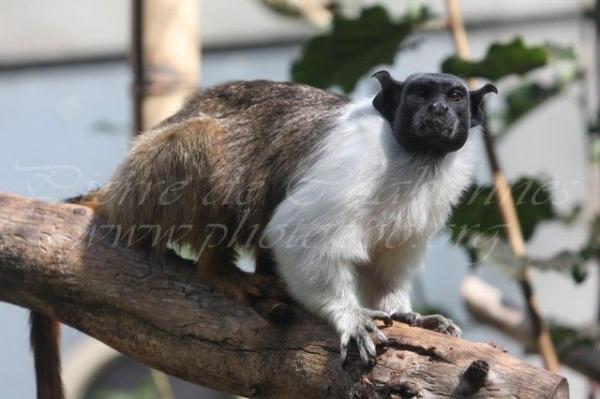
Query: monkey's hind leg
265	262
264	292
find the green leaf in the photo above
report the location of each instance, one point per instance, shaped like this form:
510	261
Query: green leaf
595	150
477	213
354	46
145	390
282	7
501	59
572	263
568	338
579	273
528	96
560	53
524	99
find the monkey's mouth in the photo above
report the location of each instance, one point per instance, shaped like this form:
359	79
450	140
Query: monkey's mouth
439	128
435	135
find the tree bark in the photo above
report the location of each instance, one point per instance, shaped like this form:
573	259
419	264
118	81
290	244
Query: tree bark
484	303
58	260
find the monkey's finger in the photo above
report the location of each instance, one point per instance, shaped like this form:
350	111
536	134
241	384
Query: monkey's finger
453	329
434	322
379	315
253	293
440	324
372	328
268	287
275	292
410	318
274	310
344	342
366	349
381	337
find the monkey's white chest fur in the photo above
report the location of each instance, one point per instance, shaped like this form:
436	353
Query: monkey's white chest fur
365	205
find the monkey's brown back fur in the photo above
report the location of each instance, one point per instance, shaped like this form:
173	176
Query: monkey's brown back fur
225	159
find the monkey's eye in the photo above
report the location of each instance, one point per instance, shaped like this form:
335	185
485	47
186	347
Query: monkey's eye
422	92
455	96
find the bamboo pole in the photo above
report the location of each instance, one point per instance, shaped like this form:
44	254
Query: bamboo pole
594	167
593	195
165	58
507	207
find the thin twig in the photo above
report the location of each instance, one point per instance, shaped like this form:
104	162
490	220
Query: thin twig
162	384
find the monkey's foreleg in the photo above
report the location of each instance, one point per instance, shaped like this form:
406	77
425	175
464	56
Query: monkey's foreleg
327	287
394	271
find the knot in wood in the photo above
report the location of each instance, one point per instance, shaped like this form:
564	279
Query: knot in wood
406	389
477	373
79	211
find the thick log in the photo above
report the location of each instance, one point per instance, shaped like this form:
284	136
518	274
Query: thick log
55	258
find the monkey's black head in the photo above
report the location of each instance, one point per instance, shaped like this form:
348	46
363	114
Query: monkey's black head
430	113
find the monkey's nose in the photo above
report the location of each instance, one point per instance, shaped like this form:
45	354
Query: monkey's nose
438	108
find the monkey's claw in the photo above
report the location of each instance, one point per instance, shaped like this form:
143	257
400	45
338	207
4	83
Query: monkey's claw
360	336
379	315
364	344
433	322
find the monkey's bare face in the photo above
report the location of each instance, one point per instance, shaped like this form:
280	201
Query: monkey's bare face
430	113
433	114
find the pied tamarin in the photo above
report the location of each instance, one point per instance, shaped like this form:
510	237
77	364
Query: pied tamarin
339	197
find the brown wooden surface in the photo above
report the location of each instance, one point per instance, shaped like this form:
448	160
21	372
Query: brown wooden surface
55	259
486	305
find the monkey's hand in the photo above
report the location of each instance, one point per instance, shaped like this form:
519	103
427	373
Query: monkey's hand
357	331
433	322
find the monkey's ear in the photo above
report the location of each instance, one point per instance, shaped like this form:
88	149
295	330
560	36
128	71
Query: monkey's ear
476	98
387	100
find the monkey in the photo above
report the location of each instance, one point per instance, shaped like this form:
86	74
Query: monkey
336	197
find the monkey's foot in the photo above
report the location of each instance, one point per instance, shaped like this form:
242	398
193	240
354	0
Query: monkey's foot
260	286
359	333
265	293
433	322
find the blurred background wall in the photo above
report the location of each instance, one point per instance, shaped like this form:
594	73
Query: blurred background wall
65	123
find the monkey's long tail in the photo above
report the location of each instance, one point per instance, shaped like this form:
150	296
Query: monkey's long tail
45	335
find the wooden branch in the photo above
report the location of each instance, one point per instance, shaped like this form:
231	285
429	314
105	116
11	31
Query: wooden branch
484	303
55	259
